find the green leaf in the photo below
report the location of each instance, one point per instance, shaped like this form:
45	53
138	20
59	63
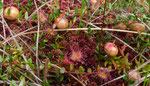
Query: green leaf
0	72
103	75
97	47
61	53
145	79
1	4
74	19
50	55
53	46
81	13
42	44
27	67
30	3
13	83
57	74
81	69
57	4
44	83
42	54
34	48
8	12
9	69
58	37
148	82
22	8
125	78
17	2
110	6
49	31
71	67
35	37
1	10
4	76
70	24
68	10
10	58
131	81
76	10
5	59
126	61
45	40
96	57
1	59
62	70
28	9
20	14
34	16
22	83
26	15
41	66
61	78
29	61
89	70
32	66
49	65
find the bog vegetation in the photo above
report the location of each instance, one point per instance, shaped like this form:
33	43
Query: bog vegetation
74	42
